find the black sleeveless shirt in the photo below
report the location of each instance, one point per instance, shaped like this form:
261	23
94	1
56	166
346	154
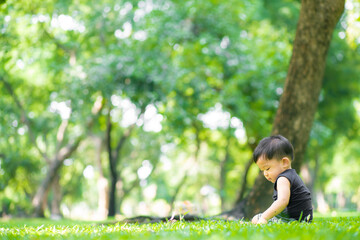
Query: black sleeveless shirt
300	199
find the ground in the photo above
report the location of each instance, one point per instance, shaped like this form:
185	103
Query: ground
323	227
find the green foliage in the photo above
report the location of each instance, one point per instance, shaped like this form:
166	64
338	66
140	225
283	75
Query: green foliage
333	228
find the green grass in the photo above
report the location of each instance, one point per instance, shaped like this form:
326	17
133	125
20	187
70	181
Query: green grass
320	228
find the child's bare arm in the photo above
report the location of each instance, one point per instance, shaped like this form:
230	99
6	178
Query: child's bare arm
283	189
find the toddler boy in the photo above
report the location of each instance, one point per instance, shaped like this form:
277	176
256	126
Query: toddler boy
292	200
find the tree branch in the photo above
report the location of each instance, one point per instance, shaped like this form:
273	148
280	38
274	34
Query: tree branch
60	134
59	158
24	117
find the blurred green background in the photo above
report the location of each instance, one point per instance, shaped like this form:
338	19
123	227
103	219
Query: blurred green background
153	107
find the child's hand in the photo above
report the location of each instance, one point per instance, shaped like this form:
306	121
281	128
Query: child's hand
258	219
262	221
255	219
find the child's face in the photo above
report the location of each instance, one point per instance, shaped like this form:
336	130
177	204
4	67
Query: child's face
272	167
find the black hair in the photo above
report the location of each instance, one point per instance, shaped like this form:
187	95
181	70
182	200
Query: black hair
274	147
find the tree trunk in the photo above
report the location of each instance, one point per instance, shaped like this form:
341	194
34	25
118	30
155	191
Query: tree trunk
56	163
299	100
243	187
187	171
57	196
102	184
126	191
41	193
223	173
177	191
112	165
112	197
244	181
114	156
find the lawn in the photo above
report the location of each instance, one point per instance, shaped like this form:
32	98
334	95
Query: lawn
321	228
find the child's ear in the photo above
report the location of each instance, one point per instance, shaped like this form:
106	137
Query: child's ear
286	162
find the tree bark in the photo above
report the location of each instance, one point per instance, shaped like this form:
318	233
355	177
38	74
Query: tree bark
299	100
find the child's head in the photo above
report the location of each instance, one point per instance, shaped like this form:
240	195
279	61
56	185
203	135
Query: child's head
273	155
274	147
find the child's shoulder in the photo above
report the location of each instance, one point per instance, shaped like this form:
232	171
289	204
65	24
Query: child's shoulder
290	174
